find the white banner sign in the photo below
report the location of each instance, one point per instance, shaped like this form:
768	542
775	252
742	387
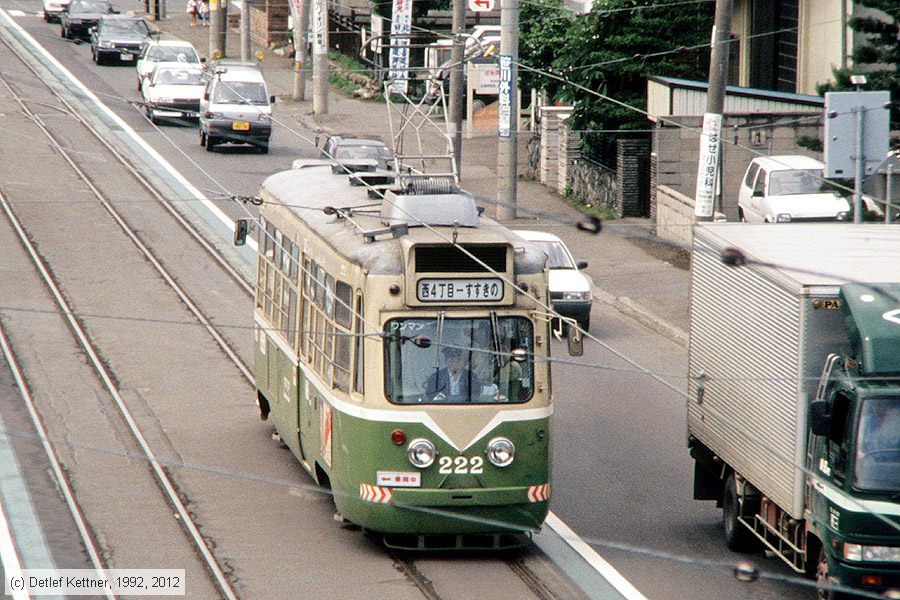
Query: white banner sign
708	167
504	97
401	26
320	19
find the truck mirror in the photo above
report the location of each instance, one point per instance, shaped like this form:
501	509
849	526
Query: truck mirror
819	418
241	227
575	341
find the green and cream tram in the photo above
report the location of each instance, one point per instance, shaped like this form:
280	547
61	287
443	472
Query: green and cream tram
399	362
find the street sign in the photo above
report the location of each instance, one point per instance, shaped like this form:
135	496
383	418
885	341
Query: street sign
481	5
841	110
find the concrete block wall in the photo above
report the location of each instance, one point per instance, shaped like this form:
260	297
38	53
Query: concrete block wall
745	136
674	216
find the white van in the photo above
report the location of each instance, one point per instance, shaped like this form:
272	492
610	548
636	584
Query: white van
784	189
236	107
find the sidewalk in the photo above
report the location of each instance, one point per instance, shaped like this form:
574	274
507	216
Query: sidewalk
624	267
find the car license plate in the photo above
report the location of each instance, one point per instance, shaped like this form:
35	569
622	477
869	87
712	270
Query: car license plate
459	290
190	115
240	126
126	56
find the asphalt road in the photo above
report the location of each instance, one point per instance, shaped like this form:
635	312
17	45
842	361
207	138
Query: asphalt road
622	475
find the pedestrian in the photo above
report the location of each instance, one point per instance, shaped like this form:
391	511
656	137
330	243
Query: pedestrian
204	12
192	11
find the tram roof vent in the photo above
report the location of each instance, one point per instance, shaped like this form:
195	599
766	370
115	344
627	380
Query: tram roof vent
449	209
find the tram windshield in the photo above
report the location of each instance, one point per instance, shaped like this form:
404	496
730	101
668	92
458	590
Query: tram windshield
441	360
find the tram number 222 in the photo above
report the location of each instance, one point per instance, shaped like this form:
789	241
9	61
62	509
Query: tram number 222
461	464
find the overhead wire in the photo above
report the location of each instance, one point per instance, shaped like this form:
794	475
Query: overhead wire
473	257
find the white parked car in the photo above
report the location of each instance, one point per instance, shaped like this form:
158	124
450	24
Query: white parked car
159	51
785	189
570	289
53	8
173	91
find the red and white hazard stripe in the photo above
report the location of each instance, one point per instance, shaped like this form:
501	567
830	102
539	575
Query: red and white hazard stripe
539	493
375	493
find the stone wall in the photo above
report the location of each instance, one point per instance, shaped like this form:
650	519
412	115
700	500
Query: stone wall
632	178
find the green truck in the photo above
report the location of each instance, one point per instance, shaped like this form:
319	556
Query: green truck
793	407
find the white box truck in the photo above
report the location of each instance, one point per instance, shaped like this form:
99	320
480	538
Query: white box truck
794	395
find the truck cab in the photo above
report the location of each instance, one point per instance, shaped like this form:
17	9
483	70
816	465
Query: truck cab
853	483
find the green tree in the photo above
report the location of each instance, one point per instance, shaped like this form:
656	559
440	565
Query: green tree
878	56
614	48
544	25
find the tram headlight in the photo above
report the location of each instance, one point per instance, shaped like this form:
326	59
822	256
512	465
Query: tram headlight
500	452
421	453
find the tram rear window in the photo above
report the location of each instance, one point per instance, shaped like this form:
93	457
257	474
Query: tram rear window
458	361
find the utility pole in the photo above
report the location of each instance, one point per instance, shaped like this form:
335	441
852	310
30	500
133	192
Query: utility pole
320	58
508	110
457	93
711	137
245	31
218	20
301	59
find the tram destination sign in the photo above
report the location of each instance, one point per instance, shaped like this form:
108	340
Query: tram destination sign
460	290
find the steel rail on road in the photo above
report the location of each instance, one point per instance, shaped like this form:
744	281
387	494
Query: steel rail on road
57	469
94	357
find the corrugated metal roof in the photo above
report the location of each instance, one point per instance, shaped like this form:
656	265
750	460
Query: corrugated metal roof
732	90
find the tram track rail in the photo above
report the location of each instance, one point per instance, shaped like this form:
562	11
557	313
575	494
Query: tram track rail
406	565
163	479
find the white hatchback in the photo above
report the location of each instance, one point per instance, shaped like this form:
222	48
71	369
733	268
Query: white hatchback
784	189
570	288
159	51
173	91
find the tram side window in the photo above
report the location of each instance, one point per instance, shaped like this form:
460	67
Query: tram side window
342	336
359	363
328	321
309	269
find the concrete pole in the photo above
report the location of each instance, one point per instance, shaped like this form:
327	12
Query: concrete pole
457	93
507	149
711	138
222	30
301	59
215	19
888	192
246	55
320	58
860	165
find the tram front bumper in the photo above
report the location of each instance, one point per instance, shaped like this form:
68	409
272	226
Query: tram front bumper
462	497
447	511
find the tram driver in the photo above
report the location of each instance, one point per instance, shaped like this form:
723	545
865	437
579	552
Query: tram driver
455	381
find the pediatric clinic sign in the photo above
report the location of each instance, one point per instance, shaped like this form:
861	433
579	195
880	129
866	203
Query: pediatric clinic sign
708	167
401	26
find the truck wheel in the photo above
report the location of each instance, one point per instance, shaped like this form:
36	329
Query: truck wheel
824	582
737	537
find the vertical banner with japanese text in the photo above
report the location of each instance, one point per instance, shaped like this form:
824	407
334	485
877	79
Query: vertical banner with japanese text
320	21
401	26
708	167
504	97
